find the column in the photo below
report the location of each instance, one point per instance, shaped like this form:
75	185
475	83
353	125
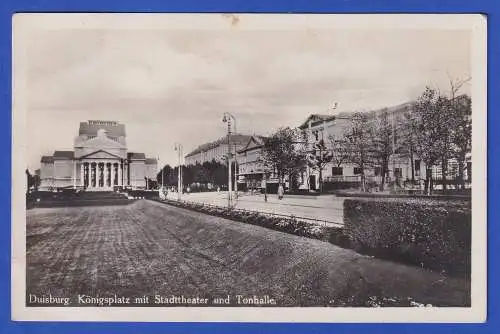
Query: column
82	167
120	173
99	173
112	174
93	174
96	172
103	174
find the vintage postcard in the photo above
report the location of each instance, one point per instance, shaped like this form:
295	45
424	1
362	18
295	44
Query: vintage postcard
249	168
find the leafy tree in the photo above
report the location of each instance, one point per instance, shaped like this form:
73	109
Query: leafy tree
282	153
164	175
383	142
427	132
408	127
358	139
151	184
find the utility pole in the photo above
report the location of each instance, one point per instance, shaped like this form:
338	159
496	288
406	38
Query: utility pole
178	148
265	186
74	174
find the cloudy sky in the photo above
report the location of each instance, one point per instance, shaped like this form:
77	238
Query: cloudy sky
173	86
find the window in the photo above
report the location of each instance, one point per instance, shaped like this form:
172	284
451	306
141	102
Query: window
398	172
378	171
417	167
336	171
316	135
357	170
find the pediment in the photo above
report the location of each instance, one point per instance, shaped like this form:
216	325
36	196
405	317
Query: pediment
101	143
101	154
252	143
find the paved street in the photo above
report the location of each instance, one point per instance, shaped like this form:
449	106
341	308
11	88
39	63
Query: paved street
327	208
151	248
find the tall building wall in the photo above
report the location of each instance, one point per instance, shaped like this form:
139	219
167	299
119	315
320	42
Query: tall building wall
137	173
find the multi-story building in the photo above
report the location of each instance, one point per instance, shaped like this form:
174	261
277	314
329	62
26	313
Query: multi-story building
216	150
251	169
402	165
100	160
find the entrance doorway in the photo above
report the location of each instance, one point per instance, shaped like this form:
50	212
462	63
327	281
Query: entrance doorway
312	182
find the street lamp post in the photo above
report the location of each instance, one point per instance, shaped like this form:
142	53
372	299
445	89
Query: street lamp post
227	119
178	148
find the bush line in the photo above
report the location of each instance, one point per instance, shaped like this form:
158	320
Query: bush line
428	233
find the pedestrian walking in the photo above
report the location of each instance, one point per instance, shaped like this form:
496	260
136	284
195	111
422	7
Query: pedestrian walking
280	191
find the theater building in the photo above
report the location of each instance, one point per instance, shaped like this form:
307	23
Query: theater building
99	161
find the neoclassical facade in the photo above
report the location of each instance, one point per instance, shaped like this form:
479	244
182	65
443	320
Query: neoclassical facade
100	161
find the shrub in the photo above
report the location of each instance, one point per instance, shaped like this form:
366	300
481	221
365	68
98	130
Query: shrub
430	233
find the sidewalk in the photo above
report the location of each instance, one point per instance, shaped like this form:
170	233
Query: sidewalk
326	209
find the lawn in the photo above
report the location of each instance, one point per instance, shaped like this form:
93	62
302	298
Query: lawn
149	248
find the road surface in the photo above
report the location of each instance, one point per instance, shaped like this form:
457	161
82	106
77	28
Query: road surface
153	249
327	208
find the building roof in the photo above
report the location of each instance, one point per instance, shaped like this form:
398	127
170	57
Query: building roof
47	159
238	139
151	161
136	156
319	118
90	128
258	140
315	118
63	155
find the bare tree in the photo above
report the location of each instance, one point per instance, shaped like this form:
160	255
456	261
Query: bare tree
320	156
461	108
340	153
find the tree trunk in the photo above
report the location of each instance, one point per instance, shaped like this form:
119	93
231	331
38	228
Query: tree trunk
412	166
320	180
428	181
384	171
382	182
444	167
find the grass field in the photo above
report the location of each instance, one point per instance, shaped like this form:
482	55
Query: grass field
149	248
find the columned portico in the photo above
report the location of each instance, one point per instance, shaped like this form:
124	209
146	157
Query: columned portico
100	161
100	174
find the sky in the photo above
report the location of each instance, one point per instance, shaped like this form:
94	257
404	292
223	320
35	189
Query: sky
174	86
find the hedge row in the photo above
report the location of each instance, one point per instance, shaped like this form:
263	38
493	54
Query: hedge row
289	225
432	234
148	194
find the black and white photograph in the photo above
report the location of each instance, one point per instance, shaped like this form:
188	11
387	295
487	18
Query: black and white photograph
244	167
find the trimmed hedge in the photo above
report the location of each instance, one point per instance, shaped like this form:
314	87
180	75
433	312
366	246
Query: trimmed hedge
430	233
149	194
